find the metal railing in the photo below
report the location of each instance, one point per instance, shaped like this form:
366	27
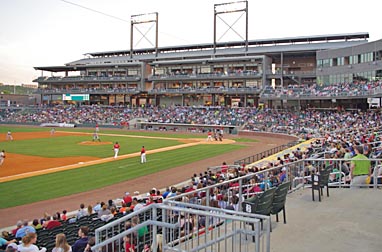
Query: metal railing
261	155
178	226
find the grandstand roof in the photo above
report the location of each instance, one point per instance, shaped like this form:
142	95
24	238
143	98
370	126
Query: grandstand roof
259	42
220	55
79	67
205	52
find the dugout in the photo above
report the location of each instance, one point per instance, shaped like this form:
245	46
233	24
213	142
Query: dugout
183	127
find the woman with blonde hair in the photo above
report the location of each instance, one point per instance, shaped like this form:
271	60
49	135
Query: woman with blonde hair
90	210
61	244
28	242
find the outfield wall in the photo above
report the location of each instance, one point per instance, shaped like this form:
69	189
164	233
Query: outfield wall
267	134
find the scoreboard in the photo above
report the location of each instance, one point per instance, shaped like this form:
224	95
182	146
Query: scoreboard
75	97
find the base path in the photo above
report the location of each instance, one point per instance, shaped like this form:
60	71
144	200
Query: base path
143	184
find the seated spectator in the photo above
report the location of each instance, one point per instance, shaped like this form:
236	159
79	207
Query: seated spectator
224	168
90	244
127	199
36	224
124	208
111	204
19	225
128	245
90	210
58	215
82	211
283	175
11	247
61	244
113	211
104	210
137	205
53	223
4	242
150	200
26	229
63	216
142	231
97	206
136	195
166	193
80	244
105	213
28	244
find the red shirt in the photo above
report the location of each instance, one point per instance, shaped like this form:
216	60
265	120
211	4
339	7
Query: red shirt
143	150
52	224
127	199
116	146
129	247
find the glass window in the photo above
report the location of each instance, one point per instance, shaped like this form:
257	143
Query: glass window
327	63
340	61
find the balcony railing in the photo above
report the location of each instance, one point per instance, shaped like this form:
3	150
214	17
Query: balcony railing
70	79
207	76
244	90
89	91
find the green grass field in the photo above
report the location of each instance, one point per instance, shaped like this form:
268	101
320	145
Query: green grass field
44	187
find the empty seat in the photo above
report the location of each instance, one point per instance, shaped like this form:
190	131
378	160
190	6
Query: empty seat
279	200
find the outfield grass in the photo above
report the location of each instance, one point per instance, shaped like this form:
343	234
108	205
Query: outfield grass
44	187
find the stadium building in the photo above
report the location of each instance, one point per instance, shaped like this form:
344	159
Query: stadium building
275	73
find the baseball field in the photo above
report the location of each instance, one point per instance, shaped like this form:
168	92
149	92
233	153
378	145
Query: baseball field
40	165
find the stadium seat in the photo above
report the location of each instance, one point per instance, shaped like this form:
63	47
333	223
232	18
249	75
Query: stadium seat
279	200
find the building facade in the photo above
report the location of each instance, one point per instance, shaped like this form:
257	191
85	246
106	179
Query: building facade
225	74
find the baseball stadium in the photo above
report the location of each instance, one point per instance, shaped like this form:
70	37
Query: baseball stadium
233	135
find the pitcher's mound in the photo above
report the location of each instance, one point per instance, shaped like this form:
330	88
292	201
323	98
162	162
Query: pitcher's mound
94	143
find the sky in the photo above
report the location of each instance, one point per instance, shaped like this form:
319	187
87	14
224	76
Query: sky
55	32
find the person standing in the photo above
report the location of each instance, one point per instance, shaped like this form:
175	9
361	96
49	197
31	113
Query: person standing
97	128
9	136
96	137
52	131
360	168
209	136
143	155
116	149
2	157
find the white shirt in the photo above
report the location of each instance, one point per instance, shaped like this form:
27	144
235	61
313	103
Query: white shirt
30	248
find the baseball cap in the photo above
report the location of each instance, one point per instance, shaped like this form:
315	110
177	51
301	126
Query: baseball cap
127	193
12	247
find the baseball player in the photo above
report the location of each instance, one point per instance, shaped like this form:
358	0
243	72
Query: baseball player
2	157
209	136
9	136
96	137
143	155
116	149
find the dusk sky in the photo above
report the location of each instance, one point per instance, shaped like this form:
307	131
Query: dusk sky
56	32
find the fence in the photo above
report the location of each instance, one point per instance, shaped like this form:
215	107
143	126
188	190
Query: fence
261	155
179	226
